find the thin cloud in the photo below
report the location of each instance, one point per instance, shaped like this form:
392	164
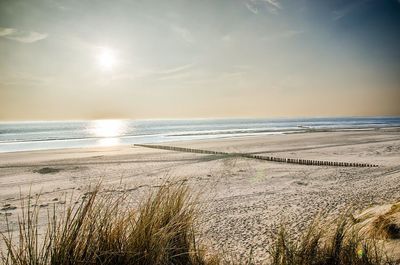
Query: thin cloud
21	35
250	6
176	69
5	31
273	6
179	72
184	33
169	73
347	9
274	3
254	5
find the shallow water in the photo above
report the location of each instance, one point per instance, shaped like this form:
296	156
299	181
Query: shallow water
41	135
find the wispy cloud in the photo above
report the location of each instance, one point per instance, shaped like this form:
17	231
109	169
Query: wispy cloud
161	74
254	5
274	3
178	72
21	35
177	69
347	9
183	33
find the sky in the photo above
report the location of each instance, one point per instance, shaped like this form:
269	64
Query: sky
147	59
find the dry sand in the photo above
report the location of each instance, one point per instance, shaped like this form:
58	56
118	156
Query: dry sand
243	199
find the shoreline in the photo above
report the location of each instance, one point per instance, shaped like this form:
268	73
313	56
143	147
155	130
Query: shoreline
233	136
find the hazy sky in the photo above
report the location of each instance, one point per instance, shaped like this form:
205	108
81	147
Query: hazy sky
81	59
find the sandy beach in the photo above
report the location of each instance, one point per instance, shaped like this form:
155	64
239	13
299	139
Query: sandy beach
242	199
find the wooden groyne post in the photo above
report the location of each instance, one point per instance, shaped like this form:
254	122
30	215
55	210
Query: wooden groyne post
260	157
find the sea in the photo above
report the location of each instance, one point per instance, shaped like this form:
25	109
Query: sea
43	135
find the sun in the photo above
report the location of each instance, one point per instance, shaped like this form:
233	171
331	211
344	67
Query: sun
106	58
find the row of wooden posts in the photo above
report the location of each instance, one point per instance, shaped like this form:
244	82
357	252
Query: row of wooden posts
260	157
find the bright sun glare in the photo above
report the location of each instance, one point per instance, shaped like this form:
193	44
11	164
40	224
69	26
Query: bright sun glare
108	131
107	128
106	58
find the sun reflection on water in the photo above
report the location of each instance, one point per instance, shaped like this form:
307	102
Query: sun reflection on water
108	130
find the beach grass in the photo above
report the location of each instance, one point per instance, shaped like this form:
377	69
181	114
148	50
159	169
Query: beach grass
101	231
162	230
385	226
327	244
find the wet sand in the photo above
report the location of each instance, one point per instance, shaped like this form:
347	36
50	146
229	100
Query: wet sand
242	199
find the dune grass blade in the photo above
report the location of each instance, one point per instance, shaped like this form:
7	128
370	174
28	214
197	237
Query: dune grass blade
319	247
102	231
